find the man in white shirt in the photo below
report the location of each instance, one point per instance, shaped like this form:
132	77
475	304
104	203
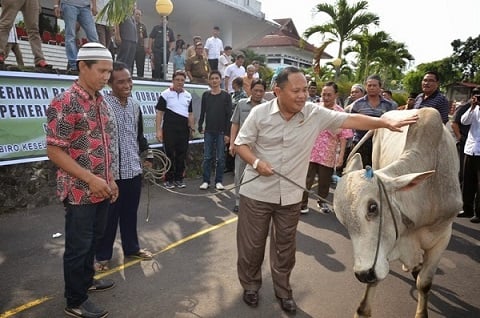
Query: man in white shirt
471	168
214	48
233	71
223	61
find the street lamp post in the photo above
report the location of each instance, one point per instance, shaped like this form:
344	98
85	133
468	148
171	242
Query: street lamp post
164	8
336	63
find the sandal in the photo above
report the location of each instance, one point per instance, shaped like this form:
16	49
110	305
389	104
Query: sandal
143	254
101	266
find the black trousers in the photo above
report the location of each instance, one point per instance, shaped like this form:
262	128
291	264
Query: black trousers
471	185
158	63
213	64
175	143
140	60
365	151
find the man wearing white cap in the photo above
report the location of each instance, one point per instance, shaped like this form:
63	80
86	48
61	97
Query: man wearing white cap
80	135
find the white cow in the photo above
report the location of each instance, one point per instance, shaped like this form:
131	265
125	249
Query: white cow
404	208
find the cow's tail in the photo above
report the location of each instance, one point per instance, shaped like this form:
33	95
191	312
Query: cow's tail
367	136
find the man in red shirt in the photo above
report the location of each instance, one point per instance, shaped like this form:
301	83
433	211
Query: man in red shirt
79	142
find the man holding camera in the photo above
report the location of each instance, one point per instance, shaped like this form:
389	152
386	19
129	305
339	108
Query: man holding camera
471	168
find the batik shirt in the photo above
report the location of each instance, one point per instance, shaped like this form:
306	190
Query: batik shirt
325	148
81	125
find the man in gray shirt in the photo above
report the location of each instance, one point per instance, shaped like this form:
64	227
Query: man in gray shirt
258	88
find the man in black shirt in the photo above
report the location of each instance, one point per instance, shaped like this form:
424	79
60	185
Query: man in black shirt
156	45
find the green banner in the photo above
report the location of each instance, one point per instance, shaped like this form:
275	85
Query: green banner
24	99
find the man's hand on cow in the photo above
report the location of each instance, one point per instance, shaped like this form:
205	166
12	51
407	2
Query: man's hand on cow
396	125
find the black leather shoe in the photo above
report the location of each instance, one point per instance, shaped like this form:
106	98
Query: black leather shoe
288	305
235	209
250	297
475	219
464	215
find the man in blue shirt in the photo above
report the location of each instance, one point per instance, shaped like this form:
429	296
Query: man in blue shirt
431	96
374	105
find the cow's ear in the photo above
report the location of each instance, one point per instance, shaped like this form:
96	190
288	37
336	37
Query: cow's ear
355	163
411	180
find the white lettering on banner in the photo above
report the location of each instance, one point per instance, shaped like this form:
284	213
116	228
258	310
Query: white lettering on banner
150	136
23	92
23	111
149	122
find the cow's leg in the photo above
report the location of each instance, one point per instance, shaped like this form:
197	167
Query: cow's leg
364	310
425	276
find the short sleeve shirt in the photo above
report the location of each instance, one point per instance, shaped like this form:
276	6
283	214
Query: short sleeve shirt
83	127
324	149
437	100
362	106
286	145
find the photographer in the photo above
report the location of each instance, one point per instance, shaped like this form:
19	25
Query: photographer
461	131
471	168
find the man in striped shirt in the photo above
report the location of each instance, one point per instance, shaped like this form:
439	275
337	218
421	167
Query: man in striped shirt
374	105
431	96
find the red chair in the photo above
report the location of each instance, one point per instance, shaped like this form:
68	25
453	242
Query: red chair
22	33
60	39
47	38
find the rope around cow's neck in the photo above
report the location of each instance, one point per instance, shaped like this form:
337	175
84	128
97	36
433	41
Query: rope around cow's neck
382	189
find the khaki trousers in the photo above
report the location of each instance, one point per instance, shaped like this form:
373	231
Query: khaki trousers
254	219
31	11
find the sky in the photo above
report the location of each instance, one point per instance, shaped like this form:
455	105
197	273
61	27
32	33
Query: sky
426	27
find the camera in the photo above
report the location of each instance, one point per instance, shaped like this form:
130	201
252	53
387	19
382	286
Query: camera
477	98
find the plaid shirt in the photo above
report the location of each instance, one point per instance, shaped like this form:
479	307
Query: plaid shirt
127	118
83	128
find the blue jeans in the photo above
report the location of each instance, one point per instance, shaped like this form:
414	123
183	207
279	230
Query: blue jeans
213	142
84	226
71	14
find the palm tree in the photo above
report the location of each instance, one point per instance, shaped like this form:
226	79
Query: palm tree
117	10
345	21
378	53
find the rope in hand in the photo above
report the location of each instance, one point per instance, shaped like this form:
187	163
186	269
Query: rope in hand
310	192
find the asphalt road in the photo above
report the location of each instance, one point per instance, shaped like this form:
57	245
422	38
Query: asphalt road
193	273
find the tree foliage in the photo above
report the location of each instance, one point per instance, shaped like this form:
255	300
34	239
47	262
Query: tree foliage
377	53
465	57
412	82
117	11
345	20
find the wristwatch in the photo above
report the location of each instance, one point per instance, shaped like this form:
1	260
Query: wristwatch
255	163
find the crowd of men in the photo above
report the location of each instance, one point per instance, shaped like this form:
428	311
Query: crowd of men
96	140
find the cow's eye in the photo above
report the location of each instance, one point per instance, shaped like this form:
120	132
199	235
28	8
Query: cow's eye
372	209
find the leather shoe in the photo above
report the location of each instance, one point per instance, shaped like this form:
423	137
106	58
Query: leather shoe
250	297
235	209
463	214
475	219
288	305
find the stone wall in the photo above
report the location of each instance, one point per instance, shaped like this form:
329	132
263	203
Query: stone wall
31	185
